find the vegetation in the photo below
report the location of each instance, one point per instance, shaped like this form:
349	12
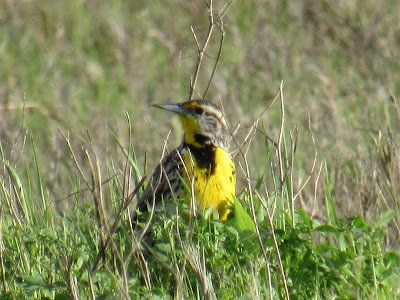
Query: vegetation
314	87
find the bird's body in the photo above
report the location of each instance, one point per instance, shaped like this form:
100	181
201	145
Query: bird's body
213	183
201	166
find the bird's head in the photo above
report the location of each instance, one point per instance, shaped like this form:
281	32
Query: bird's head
203	123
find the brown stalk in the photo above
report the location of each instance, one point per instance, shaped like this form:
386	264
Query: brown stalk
214	20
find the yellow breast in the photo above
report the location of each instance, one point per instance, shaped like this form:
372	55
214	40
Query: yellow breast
212	188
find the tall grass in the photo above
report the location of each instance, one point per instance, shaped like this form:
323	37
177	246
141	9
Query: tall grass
318	173
90	249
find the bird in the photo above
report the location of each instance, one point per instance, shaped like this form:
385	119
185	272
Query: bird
200	168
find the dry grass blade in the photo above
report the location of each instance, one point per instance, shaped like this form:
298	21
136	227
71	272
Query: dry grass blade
276	247
71	151
198	263
280	136
289	175
122	209
97	196
282	175
3	271
127	173
253	129
247	173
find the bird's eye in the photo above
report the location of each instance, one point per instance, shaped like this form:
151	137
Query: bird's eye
198	110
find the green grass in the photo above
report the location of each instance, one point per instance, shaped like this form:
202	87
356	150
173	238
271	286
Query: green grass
55	255
321	181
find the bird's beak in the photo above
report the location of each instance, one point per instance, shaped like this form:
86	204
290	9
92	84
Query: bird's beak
176	108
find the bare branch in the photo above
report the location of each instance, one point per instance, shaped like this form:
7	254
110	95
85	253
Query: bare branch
214	20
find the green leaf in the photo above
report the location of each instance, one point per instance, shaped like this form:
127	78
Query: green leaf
391	281
163	250
32	280
130	156
304	217
62	296
392	260
385	218
359	224
326	228
242	220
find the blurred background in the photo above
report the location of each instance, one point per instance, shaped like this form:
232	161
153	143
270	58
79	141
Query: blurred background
78	66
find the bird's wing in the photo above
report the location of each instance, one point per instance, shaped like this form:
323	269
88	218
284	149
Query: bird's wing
163	181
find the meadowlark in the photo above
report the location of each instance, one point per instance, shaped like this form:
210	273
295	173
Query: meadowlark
201	163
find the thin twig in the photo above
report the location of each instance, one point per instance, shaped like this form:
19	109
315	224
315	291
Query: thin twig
216	61
225	9
214	20
200	54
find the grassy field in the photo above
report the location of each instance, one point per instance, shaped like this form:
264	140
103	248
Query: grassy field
314	83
